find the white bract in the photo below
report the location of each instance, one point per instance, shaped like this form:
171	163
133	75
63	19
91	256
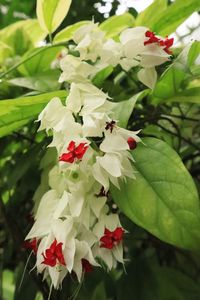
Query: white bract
73	226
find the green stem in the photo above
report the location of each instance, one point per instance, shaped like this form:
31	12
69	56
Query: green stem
50	38
28	58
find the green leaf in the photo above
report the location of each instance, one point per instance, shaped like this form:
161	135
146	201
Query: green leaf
5	51
43	83
194	57
102	75
99	292
163	198
8	285
170	86
22	35
146	280
167	21
67	33
194	53
148	16
40	62
122	110
187	96
51	13
16	113
116	24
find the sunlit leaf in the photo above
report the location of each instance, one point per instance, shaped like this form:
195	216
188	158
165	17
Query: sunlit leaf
16	113
147	17
67	33
51	13
167	21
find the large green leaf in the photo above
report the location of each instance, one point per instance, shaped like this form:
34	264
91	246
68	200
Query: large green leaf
167	21
51	13
163	198
116	24
16	113
148	16
67	33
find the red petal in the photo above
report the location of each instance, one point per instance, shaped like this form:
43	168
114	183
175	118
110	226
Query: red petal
59	254
32	244
80	150
132	143
49	261
107	242
118	234
108	233
67	157
53	246
87	267
71	146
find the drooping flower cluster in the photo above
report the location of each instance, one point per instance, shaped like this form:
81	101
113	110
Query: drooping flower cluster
74	229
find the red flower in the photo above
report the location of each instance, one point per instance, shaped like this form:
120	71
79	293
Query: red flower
32	244
74	153
86	265
54	255
152	38
111	238
166	43
132	143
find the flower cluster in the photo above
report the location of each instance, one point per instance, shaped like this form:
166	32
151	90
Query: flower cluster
74	229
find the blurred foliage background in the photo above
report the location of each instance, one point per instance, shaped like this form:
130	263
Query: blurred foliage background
155	270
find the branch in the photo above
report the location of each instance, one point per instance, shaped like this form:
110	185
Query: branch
183	138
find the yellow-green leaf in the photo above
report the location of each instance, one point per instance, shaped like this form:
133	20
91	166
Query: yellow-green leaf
15	113
116	24
51	13
147	16
67	33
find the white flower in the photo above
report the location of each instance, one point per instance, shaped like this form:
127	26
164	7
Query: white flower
139	51
83	251
75	70
52	114
110	53
84	96
92	105
132	40
148	55
90	40
112	167
61	232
